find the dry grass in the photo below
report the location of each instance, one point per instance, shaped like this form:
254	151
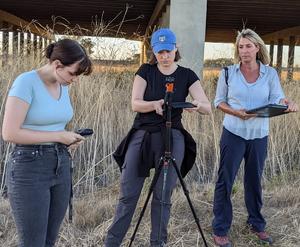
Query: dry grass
102	102
94	212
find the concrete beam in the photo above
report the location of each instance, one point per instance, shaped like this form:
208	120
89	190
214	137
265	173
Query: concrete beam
159	7
220	35
283	34
16	21
190	38
157	12
164	20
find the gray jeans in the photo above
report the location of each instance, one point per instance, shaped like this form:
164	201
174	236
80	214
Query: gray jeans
131	186
39	183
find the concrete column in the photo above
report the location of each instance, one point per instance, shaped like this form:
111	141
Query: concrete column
34	46
142	54
40	49
5	42
290	65
22	46
1	35
279	57
188	21
148	49
47	42
29	43
271	52
15	43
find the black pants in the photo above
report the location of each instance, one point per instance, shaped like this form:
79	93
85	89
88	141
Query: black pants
132	184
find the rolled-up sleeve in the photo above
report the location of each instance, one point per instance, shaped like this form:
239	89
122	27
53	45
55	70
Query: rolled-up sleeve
222	90
276	92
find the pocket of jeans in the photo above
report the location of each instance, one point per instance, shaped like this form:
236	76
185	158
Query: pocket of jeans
24	156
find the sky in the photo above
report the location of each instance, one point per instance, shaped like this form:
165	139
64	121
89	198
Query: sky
211	50
107	48
216	50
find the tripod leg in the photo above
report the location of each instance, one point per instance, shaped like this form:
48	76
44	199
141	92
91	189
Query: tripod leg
166	163
186	192
153	183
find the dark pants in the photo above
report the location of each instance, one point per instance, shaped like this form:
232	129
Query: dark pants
233	149
132	184
38	180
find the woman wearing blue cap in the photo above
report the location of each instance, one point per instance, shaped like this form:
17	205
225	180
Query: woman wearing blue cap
143	146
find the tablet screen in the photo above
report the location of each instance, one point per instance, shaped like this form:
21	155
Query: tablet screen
270	110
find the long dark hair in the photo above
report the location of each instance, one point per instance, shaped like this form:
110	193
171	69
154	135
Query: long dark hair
153	59
69	51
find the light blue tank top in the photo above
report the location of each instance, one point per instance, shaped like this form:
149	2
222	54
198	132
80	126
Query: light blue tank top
45	113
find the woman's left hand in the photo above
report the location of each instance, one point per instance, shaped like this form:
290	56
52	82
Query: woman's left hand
196	108
292	107
74	146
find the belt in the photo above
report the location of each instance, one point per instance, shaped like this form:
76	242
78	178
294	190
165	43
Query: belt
42	145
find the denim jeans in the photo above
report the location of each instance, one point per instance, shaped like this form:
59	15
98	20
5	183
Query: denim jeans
39	183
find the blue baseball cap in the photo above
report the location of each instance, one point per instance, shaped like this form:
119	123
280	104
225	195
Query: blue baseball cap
163	39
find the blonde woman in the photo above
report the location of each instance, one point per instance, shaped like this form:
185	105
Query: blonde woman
251	83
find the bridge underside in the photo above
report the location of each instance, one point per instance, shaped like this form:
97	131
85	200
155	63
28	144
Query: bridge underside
130	18
194	21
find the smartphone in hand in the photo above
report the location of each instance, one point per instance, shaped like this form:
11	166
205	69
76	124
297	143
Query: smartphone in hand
84	132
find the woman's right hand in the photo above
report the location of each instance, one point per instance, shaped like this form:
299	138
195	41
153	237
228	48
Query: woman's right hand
243	115
69	137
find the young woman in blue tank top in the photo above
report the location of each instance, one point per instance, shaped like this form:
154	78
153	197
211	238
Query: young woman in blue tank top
37	110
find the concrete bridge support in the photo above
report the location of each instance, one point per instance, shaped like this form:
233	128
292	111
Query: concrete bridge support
191	38
178	16
290	65
279	57
271	52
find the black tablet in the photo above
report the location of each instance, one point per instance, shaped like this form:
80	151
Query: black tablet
183	105
270	110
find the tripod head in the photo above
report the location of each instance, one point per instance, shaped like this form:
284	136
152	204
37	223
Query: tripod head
168	96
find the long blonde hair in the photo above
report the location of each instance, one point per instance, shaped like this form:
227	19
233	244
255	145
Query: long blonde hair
262	54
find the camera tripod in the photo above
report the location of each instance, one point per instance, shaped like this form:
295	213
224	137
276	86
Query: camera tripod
165	161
